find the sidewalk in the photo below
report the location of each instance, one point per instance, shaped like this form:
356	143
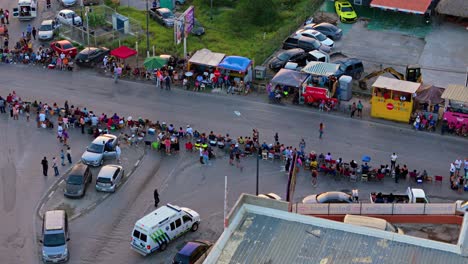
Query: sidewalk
55	199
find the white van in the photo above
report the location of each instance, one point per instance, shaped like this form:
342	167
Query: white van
371	222
155	230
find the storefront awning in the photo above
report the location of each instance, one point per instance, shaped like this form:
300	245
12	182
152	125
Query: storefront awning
207	57
407	6
321	68
396	85
456	93
290	78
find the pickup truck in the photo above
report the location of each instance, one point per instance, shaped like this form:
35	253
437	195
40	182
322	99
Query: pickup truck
412	195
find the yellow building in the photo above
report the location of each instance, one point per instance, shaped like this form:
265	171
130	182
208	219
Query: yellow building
392	99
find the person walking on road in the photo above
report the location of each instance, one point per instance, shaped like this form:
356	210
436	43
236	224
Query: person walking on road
69	155
359	109
62	157
353	109
393	159
156	197
45	166
54	165
302	145
7	15
276	138
167	79
117	73
201	155
321	127
34	32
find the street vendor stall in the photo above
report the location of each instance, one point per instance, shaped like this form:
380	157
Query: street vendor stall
237	67
290	78
393	99
123	52
456	104
204	59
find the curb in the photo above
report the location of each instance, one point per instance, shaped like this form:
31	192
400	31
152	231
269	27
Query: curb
52	190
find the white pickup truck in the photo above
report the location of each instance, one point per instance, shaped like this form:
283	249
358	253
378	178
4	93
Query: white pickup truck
412	195
462	206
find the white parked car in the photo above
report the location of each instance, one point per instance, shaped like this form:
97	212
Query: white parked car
109	177
69	17
316	35
47	30
68	3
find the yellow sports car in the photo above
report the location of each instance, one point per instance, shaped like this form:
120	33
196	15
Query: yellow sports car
345	11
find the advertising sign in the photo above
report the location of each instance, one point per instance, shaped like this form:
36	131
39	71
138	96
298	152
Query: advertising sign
189	17
178	29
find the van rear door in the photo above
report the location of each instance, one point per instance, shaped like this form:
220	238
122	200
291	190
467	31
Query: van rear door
139	241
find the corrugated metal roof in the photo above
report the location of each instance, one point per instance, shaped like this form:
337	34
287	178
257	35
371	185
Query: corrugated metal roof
266	239
456	92
321	68
396	85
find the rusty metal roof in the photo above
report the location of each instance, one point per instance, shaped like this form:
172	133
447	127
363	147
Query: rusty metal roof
456	93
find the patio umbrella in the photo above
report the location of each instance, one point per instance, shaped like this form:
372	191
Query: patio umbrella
152	63
366	159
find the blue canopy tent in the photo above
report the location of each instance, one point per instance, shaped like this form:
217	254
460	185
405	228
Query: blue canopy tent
237	66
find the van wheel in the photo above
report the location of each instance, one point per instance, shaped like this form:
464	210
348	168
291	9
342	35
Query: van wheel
194	227
163	246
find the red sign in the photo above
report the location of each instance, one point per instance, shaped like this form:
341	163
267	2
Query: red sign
390	106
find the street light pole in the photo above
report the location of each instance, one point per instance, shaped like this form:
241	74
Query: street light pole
147	28
259	153
211	10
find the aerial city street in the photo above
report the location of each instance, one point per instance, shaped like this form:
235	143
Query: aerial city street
193	131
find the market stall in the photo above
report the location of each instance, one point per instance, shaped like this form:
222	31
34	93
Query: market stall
123	52
393	99
290	78
456	104
428	100
237	68
204	59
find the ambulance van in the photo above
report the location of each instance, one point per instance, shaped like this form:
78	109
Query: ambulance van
155	230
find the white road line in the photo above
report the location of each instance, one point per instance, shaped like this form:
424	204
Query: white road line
136	163
50	195
61	181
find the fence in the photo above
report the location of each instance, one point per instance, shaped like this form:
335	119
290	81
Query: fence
376	209
101	31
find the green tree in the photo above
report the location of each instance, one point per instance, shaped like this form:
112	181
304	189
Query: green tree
258	13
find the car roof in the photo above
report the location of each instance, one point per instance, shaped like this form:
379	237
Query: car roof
333	194
78	169
102	138
308	39
158	217
54	219
64	41
191	246
66	11
164	10
47	22
311	31
108	171
293	51
348	61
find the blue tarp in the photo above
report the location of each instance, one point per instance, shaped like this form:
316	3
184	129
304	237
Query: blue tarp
235	63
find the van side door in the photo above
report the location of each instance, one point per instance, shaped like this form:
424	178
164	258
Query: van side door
188	222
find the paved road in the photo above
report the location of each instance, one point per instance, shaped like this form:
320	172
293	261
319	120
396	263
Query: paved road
103	235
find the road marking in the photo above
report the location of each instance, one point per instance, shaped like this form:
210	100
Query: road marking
42	207
61	182
136	163
51	194
237	113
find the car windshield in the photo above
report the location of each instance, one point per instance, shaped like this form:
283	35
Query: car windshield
54	240
71	15
75	179
104	180
45	28
284	56
316	44
67	46
167	15
95	148
347	9
320	37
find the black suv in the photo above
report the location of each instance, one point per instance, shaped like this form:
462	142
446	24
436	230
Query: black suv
351	67
77	181
296	55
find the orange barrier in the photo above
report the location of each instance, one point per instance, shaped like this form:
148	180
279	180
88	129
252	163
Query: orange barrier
408	219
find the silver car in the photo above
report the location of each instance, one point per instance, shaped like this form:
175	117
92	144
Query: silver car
102	148
109	177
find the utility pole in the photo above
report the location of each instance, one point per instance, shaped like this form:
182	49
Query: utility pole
259	154
147	28
211	10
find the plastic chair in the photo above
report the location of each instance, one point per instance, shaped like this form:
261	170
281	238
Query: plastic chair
364	178
264	155
438	178
271	156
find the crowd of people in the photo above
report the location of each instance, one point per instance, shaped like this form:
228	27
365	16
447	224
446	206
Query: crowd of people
167	138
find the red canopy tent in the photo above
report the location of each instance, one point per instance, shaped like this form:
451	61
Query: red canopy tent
123	52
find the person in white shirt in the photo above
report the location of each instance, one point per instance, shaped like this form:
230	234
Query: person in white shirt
458	164
393	159
117	153
189	130
452	169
